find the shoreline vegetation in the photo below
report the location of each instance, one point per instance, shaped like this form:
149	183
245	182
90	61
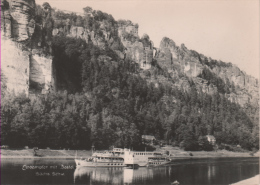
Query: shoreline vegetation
175	153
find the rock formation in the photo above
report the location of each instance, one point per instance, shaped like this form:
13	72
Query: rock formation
191	63
28	62
171	55
17	17
24	65
15	66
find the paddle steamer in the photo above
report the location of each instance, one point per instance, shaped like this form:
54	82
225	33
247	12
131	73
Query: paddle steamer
123	158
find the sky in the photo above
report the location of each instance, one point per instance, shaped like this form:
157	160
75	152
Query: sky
226	30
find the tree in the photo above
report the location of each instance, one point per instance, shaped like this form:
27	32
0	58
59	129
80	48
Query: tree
46	6
79	21
204	144
87	10
190	142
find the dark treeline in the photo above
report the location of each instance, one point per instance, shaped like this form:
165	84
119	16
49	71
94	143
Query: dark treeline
111	105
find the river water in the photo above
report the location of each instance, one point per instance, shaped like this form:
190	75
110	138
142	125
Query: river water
63	171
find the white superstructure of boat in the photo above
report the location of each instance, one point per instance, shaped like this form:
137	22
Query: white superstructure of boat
136	158
116	152
101	162
111	158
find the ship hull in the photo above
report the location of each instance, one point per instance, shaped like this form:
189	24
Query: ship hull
145	164
158	163
81	163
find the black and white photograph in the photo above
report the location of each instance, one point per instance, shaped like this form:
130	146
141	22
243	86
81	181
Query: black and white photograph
130	92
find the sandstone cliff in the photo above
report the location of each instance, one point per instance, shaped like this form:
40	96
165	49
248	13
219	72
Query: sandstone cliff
25	66
180	59
27	32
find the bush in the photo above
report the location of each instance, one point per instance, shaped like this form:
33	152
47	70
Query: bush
227	148
204	144
190	145
175	143
221	147
144	147
182	145
231	148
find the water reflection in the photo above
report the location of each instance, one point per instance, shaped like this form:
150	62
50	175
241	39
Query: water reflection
211	171
89	175
116	175
193	172
203	171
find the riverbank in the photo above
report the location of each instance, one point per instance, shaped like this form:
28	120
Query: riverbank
174	152
44	153
251	181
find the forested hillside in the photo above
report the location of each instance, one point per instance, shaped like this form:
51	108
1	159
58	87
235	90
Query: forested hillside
104	96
